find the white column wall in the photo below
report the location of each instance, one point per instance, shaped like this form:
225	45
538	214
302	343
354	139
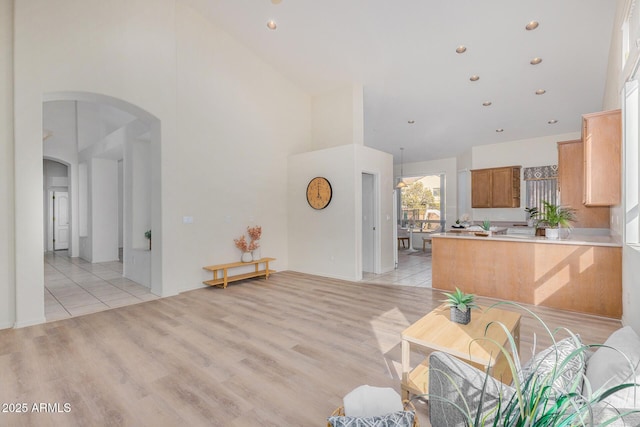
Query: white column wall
104	207
380	164
7	254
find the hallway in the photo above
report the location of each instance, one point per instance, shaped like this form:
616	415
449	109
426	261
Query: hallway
74	287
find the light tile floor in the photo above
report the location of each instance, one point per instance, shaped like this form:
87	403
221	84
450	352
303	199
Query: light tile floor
74	287
414	269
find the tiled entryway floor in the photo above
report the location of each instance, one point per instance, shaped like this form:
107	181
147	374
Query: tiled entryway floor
414	269
74	287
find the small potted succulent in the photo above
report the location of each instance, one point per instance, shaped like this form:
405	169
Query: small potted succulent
460	305
486	229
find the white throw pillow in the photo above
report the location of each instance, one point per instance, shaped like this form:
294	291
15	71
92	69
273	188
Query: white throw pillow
368	401
544	362
608	368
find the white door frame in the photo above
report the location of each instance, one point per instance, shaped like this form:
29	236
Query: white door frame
369	223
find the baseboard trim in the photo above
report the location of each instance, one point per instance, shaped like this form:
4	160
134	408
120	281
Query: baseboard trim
32	322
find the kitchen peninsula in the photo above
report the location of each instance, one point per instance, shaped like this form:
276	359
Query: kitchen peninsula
581	273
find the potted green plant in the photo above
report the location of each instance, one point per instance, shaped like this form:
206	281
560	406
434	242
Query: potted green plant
460	305
532	213
147	234
556	216
486	229
551	390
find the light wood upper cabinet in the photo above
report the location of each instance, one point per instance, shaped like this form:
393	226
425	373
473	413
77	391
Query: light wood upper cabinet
495	187
481	188
571	185
602	138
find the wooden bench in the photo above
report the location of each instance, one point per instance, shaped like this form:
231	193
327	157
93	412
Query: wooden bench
225	279
402	240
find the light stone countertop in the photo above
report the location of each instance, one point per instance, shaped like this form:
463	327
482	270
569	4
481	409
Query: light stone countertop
572	239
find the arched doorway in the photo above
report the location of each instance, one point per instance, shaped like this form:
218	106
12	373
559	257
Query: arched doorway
112	149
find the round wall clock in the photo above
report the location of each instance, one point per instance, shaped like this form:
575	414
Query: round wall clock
319	193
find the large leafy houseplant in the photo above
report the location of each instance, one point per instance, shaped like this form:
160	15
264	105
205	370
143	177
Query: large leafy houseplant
556	216
535	399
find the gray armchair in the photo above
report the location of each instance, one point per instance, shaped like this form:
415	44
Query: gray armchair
454	383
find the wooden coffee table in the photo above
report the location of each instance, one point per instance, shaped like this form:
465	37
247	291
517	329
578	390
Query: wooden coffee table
436	332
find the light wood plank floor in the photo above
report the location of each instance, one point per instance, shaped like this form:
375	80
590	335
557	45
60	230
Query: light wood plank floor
280	352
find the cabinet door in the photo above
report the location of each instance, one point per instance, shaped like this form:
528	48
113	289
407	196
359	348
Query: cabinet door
602	138
501	188
571	185
481	188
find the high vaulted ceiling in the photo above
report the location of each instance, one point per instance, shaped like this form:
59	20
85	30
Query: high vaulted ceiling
404	54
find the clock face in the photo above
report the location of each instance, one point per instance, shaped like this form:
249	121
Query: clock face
319	193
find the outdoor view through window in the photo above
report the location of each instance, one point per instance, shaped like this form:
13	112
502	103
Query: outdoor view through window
421	207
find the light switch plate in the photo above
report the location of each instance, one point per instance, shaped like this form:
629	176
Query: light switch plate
187	220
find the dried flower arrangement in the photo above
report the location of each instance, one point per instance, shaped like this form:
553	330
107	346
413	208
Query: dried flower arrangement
254	234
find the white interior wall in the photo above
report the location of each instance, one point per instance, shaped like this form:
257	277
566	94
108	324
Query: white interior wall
120	204
104	210
322	242
338	118
336	231
137	170
238	120
140	187
526	153
7	249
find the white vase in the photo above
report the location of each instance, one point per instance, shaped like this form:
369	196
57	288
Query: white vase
256	254
552	233
246	257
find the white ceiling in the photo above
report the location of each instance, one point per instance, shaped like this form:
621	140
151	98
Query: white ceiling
403	52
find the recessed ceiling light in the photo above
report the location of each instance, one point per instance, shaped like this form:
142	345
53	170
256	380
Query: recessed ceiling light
486	103
276	1
461	49
540	92
474	78
411	121
532	25
499	130
536	61
272	25
552	121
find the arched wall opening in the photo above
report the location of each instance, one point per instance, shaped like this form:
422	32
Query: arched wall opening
144	130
